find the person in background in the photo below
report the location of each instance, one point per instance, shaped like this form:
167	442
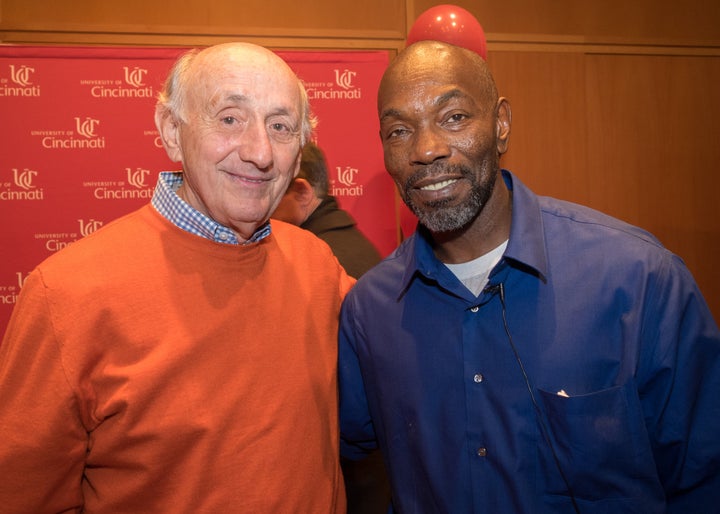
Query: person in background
520	354
308	205
183	358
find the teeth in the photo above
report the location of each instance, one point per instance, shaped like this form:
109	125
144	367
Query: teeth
438	185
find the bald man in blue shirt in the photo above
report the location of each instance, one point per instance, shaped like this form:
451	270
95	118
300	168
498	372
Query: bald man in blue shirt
520	354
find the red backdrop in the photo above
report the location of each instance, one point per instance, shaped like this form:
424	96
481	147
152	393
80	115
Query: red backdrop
78	145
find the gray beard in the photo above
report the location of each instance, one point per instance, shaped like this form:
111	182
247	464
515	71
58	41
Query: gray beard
441	217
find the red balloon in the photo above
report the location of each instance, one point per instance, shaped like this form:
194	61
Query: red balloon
449	24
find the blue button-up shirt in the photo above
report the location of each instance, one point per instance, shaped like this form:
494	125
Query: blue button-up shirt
588	371
182	215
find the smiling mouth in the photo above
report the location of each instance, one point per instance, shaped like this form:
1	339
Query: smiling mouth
247	179
438	185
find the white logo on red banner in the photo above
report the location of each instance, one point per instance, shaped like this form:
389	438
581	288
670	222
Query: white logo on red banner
346	177
327	90
86	127
9	293
24	178
65	140
22	187
115	88
21	77
89	226
344	79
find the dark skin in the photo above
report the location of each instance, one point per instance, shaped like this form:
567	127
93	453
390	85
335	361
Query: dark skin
443	130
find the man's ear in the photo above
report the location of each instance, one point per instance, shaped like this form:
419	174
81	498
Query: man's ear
169	129
302	191
502	124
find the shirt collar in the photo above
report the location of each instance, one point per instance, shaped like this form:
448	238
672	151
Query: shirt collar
167	202
525	250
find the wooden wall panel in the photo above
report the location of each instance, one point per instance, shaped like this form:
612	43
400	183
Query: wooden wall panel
666	22
635	136
277	23
654	123
547	139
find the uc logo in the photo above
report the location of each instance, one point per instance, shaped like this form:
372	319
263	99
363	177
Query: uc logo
135	76
87	127
137	178
344	79
347	176
88	227
24	178
21	76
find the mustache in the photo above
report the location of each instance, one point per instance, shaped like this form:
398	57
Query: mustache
438	168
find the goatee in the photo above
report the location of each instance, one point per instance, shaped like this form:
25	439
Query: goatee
442	215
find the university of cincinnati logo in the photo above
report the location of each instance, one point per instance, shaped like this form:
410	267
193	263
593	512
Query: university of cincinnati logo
344	79
132	86
22	85
135	77
86	127
88	226
137	178
342	89
9	293
24	178
66	140
116	190
349	187
21	75
24	187
346	176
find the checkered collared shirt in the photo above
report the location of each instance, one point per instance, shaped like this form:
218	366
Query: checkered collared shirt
181	214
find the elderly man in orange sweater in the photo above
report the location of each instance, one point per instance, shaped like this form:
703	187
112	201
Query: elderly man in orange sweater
182	359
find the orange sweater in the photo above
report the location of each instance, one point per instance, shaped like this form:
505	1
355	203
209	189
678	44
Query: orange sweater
146	369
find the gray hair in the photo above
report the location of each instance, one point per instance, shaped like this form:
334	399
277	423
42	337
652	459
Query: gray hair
173	96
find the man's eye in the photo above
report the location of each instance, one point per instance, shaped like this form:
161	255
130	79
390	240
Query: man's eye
228	120
281	132
279	127
396	132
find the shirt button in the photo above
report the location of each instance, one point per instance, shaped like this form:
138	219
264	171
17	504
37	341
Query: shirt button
482	452
478	378
475	309
223	236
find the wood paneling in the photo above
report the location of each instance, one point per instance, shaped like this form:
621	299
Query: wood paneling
653	130
663	22
635	136
288	23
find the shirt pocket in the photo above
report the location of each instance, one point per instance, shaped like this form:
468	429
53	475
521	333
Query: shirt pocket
602	445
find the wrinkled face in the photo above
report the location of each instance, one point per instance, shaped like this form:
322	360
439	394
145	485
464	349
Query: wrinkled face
439	129
240	140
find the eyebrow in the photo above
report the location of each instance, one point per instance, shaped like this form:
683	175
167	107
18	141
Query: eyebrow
389	113
279	111
236	98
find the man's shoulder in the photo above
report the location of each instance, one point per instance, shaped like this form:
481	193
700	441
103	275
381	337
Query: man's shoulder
298	241
567	215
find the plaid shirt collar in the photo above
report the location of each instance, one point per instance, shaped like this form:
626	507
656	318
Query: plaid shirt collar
181	214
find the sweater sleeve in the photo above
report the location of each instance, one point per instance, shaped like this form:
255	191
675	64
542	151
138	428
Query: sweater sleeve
43	438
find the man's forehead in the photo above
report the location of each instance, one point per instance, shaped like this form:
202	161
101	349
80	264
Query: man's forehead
280	101
402	101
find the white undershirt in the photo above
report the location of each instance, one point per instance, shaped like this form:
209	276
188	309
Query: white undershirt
474	274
